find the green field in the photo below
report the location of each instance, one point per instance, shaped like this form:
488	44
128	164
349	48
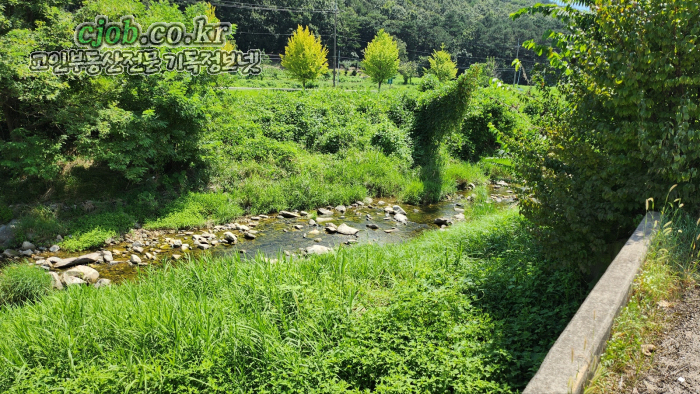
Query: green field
469	310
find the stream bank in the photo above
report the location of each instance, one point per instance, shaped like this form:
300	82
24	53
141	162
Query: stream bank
290	233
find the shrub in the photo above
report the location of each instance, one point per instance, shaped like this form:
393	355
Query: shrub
392	141
428	82
93	230
137	125
493	119
197	209
624	129
23	283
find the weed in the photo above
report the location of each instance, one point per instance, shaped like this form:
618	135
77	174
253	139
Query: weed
20	283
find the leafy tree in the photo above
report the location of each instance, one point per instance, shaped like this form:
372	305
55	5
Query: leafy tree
408	70
441	65
381	60
304	56
623	126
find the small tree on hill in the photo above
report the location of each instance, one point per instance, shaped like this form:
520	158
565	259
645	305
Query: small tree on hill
441	65
381	58
304	56
408	70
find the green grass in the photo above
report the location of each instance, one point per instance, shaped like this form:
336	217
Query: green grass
304	180
469	310
263	151
277	78
23	283
196	210
670	267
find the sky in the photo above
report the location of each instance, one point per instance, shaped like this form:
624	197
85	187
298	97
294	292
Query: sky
577	7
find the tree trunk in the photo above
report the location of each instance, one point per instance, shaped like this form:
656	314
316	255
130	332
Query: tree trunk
379	89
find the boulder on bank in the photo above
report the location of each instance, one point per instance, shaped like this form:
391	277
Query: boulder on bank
83	272
73	281
401	218
442	221
103	283
324	212
398	209
107	256
10	253
347	230
56	281
230	237
317	249
90	258
289	215
64	263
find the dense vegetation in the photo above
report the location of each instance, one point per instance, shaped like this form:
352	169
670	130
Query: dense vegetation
277	150
612	122
621	126
471	310
473	30
176	150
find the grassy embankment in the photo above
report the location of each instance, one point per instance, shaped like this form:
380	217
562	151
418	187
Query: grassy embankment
469	310
275	77
264	151
669	269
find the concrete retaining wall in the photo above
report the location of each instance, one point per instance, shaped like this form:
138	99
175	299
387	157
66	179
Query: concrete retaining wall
574	356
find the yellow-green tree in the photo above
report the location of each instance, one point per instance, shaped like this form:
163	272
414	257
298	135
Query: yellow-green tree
381	58
441	65
304	56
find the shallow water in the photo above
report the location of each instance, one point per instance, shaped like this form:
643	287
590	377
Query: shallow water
276	236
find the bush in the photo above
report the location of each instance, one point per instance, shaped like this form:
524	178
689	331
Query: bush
620	129
428	82
196	210
23	283
392	141
93	230
493	119
137	125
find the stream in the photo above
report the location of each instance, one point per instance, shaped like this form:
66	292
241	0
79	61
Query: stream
275	235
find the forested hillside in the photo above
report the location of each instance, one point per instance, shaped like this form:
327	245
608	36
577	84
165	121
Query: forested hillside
472	30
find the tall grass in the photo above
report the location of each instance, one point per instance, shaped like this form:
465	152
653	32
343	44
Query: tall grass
23	283
469	310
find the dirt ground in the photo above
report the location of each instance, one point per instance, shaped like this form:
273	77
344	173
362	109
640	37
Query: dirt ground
676	365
